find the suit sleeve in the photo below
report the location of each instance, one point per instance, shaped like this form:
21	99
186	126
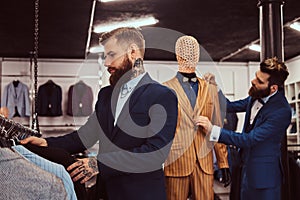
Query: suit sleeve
217	119
80	140
237	106
269	127
4	97
27	101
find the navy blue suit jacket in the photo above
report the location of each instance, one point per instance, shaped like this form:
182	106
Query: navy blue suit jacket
261	146
131	153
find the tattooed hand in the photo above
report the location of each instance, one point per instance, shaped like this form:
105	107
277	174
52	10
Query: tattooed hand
84	169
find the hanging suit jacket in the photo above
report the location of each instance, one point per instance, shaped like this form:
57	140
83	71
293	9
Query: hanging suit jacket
80	100
131	153
260	145
16	97
190	143
49	99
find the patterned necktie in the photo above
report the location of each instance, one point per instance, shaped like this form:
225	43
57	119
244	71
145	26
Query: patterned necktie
125	90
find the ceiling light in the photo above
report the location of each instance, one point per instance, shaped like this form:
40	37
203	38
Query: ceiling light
104	1
255	47
296	26
96	49
129	23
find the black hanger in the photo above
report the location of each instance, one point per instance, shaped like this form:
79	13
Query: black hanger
16	83
50	81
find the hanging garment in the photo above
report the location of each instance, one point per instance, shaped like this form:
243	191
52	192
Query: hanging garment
49	99
62	157
80	100
51	167
21	179
16	99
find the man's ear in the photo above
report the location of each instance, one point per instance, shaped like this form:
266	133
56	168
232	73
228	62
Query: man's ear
133	51
273	88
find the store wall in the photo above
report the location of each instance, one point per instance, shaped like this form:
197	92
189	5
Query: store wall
294	69
232	78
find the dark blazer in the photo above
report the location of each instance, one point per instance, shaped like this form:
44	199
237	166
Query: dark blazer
260	148
49	99
131	153
80	100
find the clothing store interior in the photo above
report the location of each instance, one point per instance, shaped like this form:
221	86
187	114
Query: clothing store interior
55	73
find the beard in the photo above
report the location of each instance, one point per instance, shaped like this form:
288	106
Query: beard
255	93
123	74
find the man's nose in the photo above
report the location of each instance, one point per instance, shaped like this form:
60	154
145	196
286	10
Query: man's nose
106	63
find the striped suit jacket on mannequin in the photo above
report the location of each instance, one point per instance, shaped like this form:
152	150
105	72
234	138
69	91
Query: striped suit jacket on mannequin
191	145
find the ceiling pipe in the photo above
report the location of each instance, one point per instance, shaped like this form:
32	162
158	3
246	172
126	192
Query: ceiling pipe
271	29
271	40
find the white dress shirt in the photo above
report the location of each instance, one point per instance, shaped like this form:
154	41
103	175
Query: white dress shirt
123	96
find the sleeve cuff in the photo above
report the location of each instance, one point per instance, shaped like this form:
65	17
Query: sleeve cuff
215	134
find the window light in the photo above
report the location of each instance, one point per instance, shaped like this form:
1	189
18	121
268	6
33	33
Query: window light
255	47
296	26
129	23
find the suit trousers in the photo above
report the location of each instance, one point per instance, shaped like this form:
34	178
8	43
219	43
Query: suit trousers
198	184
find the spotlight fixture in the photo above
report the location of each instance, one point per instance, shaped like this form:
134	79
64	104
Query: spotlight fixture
295	25
145	21
96	49
105	1
255	47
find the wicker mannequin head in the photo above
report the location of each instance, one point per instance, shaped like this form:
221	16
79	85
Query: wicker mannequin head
187	53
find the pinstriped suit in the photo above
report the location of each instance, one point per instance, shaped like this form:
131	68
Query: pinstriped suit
190	162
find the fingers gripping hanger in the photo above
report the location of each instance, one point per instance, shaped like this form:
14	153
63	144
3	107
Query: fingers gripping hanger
34	56
11	132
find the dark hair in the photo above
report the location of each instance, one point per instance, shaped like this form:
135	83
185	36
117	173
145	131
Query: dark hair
277	70
126	35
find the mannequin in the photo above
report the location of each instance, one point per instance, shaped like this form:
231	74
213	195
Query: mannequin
189	167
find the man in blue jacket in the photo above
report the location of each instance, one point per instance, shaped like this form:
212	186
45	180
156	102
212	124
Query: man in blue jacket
134	121
268	115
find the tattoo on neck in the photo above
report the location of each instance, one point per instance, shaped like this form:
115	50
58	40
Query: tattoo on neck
138	68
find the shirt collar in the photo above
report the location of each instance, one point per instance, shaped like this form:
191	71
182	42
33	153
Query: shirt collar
180	77
266	99
133	82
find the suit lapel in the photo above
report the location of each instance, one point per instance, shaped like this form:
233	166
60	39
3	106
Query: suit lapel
135	95
202	97
182	98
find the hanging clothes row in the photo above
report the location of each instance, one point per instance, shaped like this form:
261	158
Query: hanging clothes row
49	102
29	175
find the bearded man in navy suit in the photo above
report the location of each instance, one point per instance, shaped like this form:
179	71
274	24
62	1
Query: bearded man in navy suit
268	115
134	121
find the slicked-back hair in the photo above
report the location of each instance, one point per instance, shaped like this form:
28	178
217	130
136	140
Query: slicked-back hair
125	35
277	70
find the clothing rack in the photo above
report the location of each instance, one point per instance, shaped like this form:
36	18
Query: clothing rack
50	76
11	131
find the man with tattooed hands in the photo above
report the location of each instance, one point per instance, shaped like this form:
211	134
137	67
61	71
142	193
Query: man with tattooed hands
268	115
134	122
83	169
